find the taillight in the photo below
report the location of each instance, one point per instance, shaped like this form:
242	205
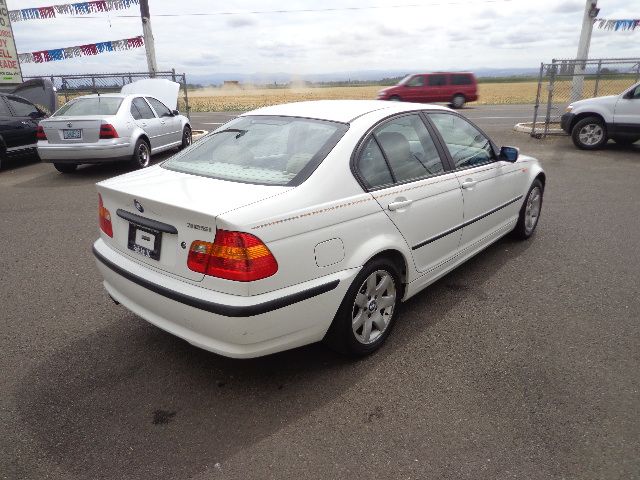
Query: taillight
107	131
105	218
232	255
40	135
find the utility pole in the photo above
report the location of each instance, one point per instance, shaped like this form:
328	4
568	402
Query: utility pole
590	12
148	37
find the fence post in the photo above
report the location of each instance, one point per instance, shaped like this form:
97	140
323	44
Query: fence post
93	82
537	105
173	74
552	78
595	90
186	97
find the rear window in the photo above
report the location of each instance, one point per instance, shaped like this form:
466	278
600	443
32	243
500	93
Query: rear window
264	150
461	80
90	106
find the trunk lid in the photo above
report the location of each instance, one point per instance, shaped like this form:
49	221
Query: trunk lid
187	203
89	129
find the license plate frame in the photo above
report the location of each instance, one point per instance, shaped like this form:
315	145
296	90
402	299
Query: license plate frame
145	251
72	134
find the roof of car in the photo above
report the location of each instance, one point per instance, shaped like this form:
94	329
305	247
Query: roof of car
344	111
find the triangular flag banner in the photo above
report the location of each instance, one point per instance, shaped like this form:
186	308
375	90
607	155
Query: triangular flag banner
80	8
615	25
81	50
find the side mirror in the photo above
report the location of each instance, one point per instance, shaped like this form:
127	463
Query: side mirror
509	154
175	112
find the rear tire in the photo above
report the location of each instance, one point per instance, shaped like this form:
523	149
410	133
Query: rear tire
367	312
141	155
187	137
458	101
530	211
66	167
589	133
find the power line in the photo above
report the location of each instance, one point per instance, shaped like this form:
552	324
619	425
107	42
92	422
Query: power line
302	10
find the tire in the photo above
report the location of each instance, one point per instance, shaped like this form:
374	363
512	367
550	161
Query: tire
361	302
589	133
66	167
530	211
395	98
141	155
458	101
187	137
626	142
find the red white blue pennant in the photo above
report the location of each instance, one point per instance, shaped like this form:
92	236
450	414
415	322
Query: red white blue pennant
80	51
82	8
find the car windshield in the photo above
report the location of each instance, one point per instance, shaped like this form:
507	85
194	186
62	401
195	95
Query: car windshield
405	79
265	150
90	106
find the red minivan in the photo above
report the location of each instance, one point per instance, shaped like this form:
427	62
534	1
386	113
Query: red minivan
457	88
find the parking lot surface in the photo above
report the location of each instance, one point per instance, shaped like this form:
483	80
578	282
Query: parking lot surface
523	363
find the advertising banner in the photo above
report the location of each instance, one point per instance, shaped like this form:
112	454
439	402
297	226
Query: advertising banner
9	65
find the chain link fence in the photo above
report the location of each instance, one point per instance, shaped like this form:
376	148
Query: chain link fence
71	86
564	81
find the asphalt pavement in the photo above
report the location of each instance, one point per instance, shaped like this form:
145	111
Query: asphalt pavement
523	363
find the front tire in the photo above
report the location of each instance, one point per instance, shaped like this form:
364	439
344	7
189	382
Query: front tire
141	155
187	137
395	98
66	167
589	133
367	312
530	211
458	101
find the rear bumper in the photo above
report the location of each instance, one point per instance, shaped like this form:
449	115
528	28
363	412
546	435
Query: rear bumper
84	153
566	120
230	325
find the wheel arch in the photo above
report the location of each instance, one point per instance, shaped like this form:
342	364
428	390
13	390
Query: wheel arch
582	115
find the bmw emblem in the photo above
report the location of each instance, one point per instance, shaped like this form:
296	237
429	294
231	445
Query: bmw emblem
69	125
138	206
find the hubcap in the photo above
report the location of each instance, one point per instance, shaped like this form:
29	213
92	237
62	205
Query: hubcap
591	134
532	210
373	307
458	101
143	155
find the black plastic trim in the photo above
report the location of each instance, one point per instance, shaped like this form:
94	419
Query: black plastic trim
465	224
218	308
146	222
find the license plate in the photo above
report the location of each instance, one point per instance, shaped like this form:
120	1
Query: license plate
72	134
145	241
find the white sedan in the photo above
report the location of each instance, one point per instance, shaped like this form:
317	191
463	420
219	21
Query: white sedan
308	221
115	127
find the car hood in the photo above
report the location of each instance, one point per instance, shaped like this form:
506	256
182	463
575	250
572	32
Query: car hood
164	90
595	101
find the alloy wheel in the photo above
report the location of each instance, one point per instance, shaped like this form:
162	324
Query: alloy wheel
532	210
143	155
373	307
591	134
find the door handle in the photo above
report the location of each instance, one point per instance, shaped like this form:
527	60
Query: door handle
393	206
469	183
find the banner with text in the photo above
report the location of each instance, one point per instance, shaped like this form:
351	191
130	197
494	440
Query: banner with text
9	65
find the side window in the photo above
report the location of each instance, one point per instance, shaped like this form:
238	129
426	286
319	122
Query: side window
437	80
417	81
21	107
372	166
461	80
467	146
135	113
159	107
635	94
4	110
143	107
409	148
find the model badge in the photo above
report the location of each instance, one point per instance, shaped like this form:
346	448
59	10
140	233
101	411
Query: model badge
138	206
203	228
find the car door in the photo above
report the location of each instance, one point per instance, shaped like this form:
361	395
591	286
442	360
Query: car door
436	88
626	117
414	89
402	167
22	124
147	121
491	188
171	125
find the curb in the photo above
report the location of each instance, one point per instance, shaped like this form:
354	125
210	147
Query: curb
527	127
198	134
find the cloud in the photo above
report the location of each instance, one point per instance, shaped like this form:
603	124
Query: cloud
569	6
237	21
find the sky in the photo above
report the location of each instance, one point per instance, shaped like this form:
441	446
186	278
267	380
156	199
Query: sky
430	35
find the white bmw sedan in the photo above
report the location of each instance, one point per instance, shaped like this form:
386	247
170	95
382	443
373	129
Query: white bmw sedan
308	221
110	128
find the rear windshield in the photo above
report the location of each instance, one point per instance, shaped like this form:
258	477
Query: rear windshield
264	150
90	106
